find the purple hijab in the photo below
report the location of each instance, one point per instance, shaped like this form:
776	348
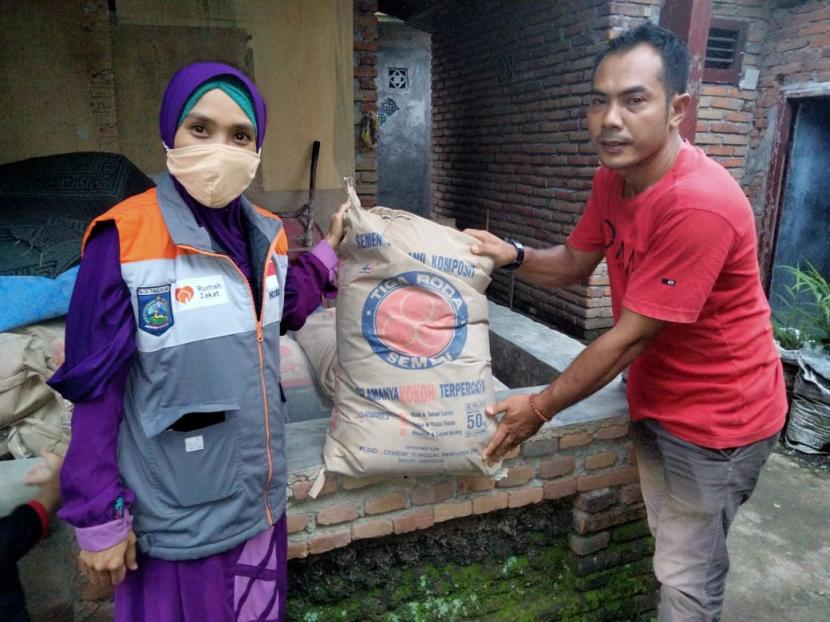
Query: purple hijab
224	224
100	333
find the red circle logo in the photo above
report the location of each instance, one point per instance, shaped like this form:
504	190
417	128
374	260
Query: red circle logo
415	321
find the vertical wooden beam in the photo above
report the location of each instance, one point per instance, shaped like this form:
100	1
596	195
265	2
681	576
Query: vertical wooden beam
689	20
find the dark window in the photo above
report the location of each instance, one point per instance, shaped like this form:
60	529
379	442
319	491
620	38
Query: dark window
724	51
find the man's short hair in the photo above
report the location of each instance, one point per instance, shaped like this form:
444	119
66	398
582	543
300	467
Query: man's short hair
672	50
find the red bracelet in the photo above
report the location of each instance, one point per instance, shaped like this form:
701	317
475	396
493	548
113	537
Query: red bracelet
536	410
43	515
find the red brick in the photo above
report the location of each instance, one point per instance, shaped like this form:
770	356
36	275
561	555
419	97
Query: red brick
516	476
526	496
474	484
337	514
296	522
541	447
297	549
455	509
300	489
556	467
374	528
418	519
559	488
423	495
489	503
602	480
386	503
600	460
631	493
575	439
585	545
596	500
322	542
611	431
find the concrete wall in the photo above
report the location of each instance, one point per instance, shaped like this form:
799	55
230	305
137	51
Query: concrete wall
83	75
57	93
404	146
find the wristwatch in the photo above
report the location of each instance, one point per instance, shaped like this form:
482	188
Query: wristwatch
520	254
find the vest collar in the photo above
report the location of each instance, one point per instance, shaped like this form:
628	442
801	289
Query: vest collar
182	225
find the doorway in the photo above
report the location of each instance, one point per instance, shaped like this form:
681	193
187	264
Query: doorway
804	218
404	116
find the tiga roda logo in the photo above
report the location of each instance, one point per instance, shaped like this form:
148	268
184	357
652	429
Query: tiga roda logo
415	320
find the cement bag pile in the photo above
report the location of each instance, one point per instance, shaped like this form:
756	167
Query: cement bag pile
303	399
413	371
318	339
32	415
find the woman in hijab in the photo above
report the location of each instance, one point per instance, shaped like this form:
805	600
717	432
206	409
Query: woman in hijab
175	476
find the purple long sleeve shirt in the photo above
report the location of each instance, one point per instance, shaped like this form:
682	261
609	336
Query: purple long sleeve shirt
100	343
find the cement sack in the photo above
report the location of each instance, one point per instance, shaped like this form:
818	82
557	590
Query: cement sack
32	415
303	399
318	339
413	351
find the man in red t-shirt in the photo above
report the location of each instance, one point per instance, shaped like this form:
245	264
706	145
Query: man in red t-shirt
705	388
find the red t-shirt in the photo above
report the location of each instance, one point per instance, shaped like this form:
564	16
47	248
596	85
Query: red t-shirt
684	251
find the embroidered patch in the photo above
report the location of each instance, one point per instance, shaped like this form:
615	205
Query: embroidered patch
272	281
155	310
203	291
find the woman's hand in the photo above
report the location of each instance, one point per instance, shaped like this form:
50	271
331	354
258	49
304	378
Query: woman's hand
491	246
336	226
109	567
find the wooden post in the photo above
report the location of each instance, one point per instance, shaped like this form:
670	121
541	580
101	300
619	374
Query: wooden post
689	20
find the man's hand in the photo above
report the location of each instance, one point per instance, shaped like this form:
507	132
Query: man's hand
518	424
491	246
109	567
336	226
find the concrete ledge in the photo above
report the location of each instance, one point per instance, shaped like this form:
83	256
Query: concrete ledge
520	348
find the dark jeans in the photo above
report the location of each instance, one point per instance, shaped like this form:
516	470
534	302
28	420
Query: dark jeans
692	494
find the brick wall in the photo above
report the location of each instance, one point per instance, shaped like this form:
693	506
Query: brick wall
795	51
559	462
365	96
587	468
510	146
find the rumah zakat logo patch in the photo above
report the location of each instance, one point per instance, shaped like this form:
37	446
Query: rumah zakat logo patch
184	294
155	311
415	320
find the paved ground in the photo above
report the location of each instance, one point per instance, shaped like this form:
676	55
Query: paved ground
779	545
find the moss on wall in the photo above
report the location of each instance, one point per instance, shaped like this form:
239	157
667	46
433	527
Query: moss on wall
527	574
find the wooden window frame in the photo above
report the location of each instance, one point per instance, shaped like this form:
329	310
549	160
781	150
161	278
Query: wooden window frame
732	74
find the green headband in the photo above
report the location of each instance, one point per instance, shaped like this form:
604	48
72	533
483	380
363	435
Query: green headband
230	86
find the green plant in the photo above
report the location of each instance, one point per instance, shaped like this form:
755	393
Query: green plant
805	315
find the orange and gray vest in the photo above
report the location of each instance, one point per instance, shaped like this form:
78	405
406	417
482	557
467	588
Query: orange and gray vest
202	441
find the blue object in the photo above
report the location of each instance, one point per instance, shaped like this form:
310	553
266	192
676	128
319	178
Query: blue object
25	300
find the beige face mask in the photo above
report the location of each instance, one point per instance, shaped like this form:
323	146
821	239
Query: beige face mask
213	174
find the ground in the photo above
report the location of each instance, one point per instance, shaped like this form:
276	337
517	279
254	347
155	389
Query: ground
780	545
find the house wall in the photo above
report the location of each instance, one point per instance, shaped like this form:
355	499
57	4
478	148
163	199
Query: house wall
510	145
